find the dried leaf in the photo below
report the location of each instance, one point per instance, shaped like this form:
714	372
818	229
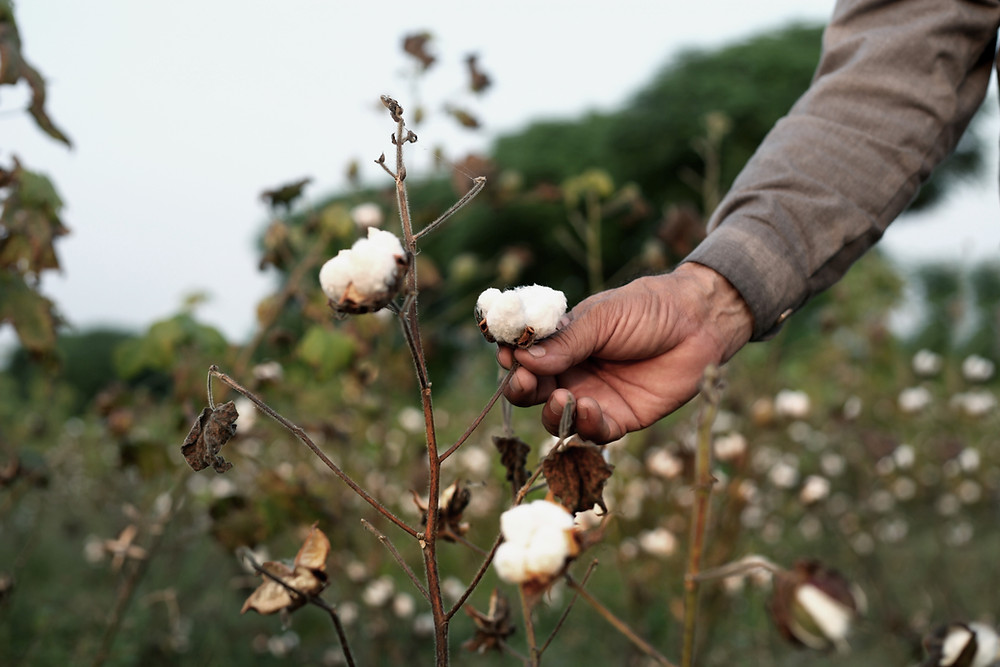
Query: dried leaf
478	80
14	67
307	575
514	456
210	432
576	475
416	46
464	118
493	627
285	195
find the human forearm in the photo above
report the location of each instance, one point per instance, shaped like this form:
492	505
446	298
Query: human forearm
896	87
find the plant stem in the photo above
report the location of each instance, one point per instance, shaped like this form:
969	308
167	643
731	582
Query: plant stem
395	554
703	481
297	431
482	415
411	328
618	624
534	655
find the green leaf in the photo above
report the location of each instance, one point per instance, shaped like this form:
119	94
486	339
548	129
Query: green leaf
31	314
326	350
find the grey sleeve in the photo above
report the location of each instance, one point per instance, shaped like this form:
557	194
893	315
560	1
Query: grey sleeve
897	84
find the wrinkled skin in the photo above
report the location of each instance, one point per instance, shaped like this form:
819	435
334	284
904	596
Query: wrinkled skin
633	354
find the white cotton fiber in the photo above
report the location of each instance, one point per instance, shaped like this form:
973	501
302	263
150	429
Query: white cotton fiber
521	315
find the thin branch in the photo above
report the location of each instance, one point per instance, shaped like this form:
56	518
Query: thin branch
479	182
569	607
534	655
703	481
399	558
307	441
482	415
739	567
245	554
476	579
618	624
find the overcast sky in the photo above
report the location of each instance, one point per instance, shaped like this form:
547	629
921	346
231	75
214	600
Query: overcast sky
182	112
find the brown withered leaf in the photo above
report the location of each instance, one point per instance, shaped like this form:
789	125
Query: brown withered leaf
576	475
514	456
307	575
14	68
464	118
493	627
478	80
210	432
285	195
416	46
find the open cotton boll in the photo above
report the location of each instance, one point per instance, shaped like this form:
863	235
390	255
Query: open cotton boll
366	276
335	275
505	318
543	307
520	316
538	538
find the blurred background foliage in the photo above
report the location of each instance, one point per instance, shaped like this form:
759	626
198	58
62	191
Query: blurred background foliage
113	552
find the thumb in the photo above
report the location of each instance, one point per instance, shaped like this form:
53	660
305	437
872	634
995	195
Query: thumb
578	339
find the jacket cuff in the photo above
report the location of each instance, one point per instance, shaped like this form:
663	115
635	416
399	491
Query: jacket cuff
753	258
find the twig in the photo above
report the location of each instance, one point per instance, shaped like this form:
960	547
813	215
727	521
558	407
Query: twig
479	182
569	607
245	554
703	481
618	624
399	558
476	579
135	574
534	655
482	415
739	567
213	370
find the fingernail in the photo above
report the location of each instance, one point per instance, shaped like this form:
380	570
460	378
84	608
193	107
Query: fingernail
536	352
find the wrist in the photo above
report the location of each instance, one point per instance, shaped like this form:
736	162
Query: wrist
726	316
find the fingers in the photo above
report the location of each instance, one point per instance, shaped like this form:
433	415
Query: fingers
590	422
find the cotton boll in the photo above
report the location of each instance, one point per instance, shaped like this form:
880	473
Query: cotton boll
509	562
387	241
335	275
521	315
538	539
486	299
505	318
543	307
366	276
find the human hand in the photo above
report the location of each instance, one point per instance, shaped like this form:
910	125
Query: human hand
633	354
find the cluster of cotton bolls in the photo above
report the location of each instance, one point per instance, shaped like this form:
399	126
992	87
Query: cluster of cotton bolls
538	538
520	316
366	276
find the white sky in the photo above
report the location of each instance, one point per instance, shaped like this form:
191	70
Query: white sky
182	112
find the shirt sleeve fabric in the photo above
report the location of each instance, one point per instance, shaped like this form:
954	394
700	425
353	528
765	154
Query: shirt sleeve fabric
896	86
